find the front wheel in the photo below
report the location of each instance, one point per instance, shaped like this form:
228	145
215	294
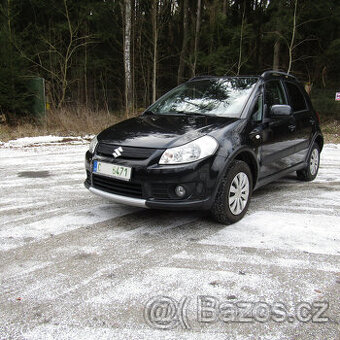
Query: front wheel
233	196
311	170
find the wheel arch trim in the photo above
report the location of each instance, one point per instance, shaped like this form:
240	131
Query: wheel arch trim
234	155
317	138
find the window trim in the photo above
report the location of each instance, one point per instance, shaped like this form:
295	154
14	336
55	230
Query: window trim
283	88
254	102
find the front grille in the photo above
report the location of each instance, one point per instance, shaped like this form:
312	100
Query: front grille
128	151
115	186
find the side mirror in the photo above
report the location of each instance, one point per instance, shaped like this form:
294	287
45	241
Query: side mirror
280	111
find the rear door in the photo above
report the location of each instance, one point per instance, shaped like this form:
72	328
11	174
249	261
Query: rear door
304	119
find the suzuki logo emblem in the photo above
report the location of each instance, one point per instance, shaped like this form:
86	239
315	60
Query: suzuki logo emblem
117	152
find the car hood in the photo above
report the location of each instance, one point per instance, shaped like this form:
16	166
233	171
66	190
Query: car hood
156	131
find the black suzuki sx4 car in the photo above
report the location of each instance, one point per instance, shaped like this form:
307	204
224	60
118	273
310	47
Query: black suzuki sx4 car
208	144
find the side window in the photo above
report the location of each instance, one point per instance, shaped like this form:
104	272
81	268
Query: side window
257	113
297	100
274	93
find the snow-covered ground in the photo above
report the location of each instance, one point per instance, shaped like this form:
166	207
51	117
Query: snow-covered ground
75	266
44	141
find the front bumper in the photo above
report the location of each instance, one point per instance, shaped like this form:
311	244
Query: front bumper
153	186
153	204
136	202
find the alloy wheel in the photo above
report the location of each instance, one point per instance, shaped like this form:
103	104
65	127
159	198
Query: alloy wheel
238	193
314	162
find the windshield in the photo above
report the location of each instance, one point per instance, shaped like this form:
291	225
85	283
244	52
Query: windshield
212	97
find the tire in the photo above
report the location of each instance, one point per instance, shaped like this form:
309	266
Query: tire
237	181
311	170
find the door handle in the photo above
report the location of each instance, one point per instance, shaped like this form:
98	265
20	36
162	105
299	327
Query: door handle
312	121
292	127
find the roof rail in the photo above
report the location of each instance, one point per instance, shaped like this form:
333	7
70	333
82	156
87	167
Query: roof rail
224	76
201	76
268	74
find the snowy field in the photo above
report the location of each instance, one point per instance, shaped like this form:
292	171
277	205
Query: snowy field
75	266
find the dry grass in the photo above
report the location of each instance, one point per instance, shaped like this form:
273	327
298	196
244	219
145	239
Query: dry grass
331	131
64	122
81	122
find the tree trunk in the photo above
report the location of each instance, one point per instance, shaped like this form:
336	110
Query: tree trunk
197	32
225	7
239	65
85	73
10	38
291	46
212	26
184	42
133	46
258	40
276	60
155	44
323	76
127	57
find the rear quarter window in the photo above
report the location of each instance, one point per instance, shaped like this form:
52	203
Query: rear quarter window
297	99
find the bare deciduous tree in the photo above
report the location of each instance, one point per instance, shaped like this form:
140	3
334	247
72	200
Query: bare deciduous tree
276	59
239	64
184	41
59	71
155	31
292	41
127	57
197	32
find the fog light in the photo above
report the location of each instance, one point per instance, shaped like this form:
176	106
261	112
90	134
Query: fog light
180	191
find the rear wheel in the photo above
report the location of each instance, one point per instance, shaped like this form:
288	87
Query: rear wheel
311	170
233	196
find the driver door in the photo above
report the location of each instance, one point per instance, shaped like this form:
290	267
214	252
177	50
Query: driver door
278	133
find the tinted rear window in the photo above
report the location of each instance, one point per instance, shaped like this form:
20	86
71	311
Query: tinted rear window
297	100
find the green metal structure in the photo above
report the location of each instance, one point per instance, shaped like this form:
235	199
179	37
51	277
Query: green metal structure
37	87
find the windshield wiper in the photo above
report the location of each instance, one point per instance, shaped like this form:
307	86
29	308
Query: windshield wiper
194	114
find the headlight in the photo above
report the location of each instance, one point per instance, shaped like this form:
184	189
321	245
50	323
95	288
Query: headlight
193	151
93	144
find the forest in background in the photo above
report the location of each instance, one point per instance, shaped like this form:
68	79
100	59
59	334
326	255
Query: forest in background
120	55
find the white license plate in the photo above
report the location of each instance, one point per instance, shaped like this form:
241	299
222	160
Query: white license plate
112	170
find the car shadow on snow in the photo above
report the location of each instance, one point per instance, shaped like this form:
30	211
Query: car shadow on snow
154	219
